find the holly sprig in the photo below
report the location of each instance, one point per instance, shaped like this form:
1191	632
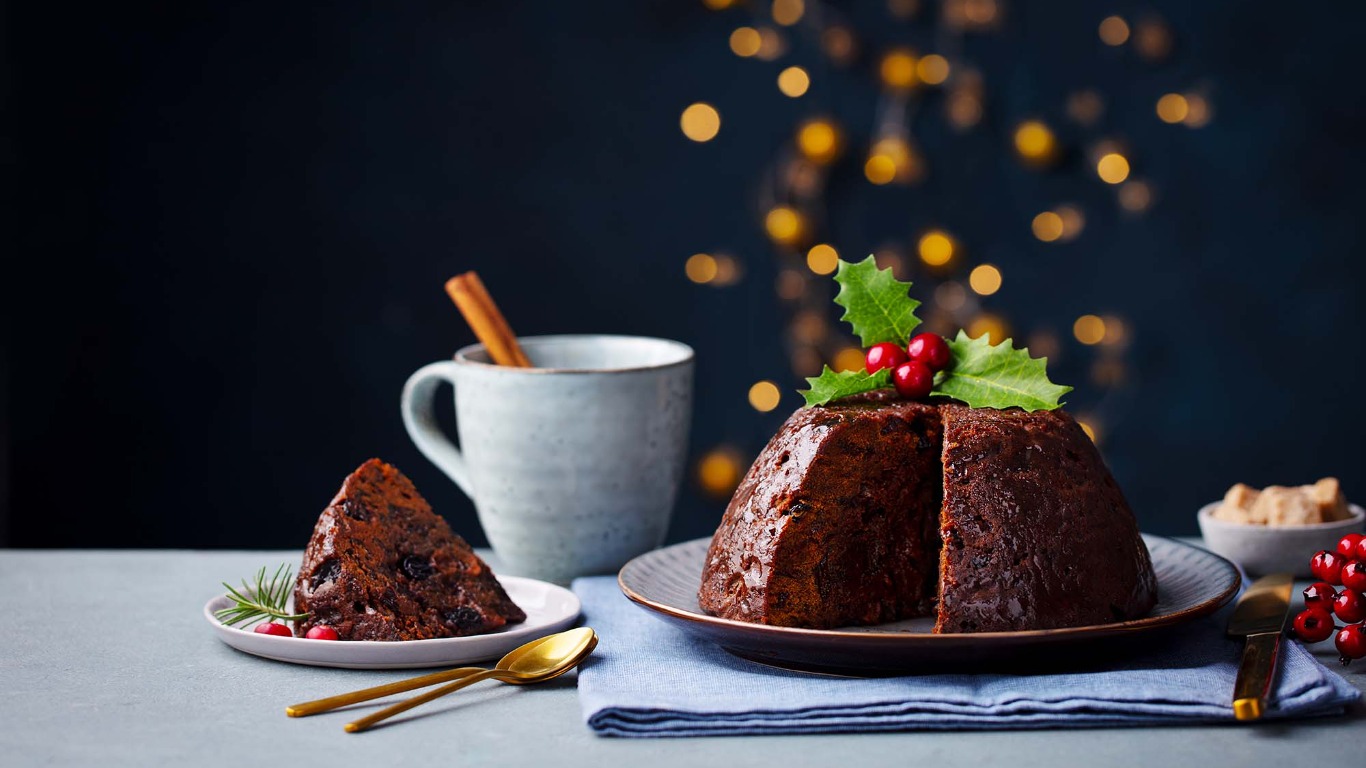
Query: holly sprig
981	374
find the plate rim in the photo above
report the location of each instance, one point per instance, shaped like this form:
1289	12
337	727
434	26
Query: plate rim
521	632
1199	610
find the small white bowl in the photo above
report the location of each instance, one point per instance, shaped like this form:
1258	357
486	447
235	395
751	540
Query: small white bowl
1274	549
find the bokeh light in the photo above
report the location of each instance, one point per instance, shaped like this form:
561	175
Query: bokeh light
1153	39
700	122
1135	196
822	259
1198	111
892	159
950	296
1172	108
898	69
786	225
936	248
1089	329
719	471
839	44
1047	226
820	140
771	44
1085	107
788	12
991	326
1035	143
1114	30
1112	168
701	268
764	396
793	82
1073	222
932	69
790	285
745	42
985	279
850	359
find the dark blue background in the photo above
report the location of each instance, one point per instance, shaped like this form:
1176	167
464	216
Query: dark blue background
233	222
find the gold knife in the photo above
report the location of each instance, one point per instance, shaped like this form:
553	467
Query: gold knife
1259	617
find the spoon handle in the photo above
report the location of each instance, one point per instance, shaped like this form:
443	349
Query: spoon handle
354	697
407	704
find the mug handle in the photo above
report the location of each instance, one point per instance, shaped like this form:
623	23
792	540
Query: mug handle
419	416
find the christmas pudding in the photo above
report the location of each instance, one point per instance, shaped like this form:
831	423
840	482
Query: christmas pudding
942	480
381	565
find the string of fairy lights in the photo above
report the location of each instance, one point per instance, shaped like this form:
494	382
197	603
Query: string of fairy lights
792	194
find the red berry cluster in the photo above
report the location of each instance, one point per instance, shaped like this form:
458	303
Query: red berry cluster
1344	567
320	632
913	368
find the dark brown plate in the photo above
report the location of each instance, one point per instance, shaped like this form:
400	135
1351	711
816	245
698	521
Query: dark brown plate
1191	583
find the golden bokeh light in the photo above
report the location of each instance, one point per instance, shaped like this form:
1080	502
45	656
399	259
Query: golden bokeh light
1198	111
764	396
898	69
728	271
936	248
771	44
790	285
700	122
719	471
1172	108
1153	39
793	82
991	326
880	169
1044	344
1047	226
822	259
820	141
701	268
1085	107
1116	331
788	12
950	296
839	44
1089	329
1073	222
1035	143
1135	196
892	159
932	69
809	327
1114	30
850	359
985	279
903	9
786	225
1112	168
719	5
806	361
745	42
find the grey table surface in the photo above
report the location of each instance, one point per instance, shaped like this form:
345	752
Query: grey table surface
106	659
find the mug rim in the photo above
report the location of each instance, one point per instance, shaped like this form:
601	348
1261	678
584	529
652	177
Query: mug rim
686	352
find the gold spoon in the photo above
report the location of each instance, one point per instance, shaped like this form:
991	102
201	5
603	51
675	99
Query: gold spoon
514	657
542	661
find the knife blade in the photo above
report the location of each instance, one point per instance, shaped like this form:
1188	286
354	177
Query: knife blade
1259	618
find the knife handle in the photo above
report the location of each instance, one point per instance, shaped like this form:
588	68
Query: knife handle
1254	675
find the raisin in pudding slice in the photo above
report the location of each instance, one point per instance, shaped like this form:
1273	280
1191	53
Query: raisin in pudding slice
382	566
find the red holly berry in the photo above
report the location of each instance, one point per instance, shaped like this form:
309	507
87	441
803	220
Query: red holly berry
1347	545
930	349
1320	594
1313	625
1350	606
1361	550
1351	642
913	380
322	632
1327	566
1354	575
884	355
272	628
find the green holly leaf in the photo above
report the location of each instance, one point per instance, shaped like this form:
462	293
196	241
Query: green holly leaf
984	376
875	303
832	386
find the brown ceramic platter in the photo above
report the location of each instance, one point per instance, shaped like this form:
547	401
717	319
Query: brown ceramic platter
1192	583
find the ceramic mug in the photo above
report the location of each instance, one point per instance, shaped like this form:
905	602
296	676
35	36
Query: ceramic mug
573	465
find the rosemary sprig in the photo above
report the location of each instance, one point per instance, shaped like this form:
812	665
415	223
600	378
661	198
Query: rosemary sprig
267	600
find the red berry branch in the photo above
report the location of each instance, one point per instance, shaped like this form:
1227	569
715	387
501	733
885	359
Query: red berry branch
1345	566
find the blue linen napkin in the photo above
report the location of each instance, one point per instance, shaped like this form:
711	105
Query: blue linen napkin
649	679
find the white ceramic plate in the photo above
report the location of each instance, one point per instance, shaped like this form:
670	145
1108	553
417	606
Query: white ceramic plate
549	608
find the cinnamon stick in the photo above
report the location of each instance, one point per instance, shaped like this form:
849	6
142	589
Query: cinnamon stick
475	303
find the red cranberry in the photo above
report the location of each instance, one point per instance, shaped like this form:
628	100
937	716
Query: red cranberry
930	349
1349	606
1351	642
1354	575
1327	566
272	628
322	632
884	355
1347	545
1320	594
1361	550
1313	625
913	380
